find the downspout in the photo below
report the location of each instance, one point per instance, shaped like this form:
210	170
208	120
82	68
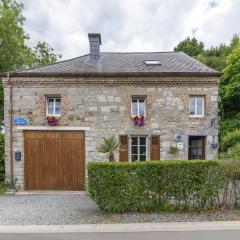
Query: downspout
11	130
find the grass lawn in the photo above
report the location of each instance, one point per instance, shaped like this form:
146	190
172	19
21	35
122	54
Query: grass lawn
2	188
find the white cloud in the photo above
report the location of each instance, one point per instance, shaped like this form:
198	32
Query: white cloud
129	25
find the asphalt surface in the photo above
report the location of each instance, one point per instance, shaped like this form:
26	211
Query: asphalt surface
196	235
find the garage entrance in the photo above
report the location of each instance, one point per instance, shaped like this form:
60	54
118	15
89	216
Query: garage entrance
54	160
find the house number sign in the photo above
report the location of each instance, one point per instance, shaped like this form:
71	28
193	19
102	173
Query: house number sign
20	120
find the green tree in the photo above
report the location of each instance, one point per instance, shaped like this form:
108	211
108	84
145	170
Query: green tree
230	93
230	85
109	146
215	57
42	54
190	46
14	52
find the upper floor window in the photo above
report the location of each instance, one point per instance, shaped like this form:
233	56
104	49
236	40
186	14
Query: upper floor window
196	106
53	106
138	106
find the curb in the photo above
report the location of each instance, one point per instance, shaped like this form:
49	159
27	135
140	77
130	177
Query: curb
132	227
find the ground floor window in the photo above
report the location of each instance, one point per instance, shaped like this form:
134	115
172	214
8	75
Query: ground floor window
196	147
138	148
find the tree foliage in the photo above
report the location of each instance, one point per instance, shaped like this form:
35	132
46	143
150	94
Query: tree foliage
224	58
109	146
14	51
230	85
190	46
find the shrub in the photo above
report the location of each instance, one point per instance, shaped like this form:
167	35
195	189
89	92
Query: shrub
155	185
234	152
1	157
230	139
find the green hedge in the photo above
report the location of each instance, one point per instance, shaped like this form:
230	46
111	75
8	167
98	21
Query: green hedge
154	185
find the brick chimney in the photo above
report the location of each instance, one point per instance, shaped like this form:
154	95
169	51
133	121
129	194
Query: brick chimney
94	43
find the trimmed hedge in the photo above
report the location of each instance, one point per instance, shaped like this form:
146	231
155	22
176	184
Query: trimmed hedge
155	185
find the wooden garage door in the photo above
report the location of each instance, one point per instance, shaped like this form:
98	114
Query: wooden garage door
54	160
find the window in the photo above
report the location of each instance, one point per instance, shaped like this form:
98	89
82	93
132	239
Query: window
152	62
53	106
139	106
138	148
196	106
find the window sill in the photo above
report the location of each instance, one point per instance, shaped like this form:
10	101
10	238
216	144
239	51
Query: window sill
197	117
57	116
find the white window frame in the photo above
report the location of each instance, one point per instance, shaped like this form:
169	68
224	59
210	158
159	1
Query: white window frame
130	147
54	106
195	107
145	105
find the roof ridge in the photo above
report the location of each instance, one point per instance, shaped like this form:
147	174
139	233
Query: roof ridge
139	52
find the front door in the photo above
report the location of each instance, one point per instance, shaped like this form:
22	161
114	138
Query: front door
196	147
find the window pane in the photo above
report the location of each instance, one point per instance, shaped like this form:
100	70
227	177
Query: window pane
134	107
142	157
50	102
134	141
58	102
199	105
142	140
134	149
142	149
50	109
134	158
141	107
192	105
57	110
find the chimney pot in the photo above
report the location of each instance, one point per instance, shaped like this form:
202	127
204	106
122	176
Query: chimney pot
94	44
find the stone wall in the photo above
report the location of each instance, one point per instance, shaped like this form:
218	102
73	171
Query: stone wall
106	109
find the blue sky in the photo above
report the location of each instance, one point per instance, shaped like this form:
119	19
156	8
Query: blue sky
129	25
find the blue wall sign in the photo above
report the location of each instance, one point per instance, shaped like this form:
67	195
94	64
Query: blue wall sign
178	138
20	120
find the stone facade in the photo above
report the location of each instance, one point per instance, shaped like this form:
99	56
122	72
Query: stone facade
106	109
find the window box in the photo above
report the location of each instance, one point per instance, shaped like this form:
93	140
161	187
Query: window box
139	120
52	121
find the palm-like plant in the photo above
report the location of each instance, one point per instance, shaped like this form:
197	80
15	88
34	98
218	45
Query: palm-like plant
109	146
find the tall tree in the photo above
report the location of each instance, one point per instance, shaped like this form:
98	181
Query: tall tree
190	46
230	93
42	54
14	52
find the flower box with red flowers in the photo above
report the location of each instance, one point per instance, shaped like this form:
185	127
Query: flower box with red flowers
139	120
52	121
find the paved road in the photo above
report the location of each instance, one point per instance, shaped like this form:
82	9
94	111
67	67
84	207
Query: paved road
196	235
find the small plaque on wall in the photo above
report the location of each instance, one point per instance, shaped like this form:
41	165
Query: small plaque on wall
18	156
179	138
180	145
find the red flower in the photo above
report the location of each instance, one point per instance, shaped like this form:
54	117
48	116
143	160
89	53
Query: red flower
139	120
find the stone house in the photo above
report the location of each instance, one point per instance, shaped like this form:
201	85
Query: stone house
100	94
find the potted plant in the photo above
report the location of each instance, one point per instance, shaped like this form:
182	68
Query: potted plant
139	120
52	121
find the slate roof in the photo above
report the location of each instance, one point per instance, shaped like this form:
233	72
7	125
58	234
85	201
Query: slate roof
119	64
